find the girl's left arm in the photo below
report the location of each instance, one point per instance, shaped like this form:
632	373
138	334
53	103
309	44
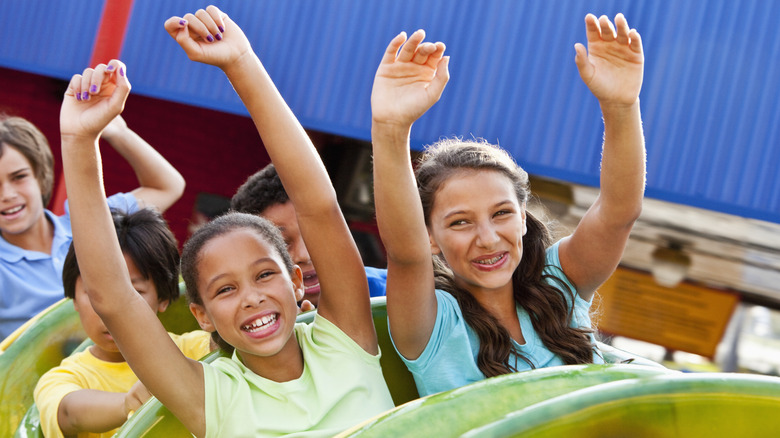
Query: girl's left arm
144	343
345	300
160	184
612	67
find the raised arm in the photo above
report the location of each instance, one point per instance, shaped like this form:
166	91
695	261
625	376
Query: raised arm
160	183
344	300
153	356
407	83
612	67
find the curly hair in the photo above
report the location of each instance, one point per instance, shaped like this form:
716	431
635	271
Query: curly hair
546	304
261	190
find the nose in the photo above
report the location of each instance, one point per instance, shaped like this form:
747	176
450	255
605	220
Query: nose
298	252
7	191
252	296
487	235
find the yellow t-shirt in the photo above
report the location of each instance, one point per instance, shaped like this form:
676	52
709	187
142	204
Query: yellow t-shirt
84	371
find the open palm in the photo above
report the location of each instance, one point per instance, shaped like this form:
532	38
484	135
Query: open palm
613	65
406	85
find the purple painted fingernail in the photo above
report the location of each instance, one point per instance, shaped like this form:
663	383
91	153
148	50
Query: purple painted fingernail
93	89
121	71
78	96
218	37
182	22
210	39
221	29
84	95
110	68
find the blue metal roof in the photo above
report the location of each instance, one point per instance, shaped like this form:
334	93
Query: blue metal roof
710	99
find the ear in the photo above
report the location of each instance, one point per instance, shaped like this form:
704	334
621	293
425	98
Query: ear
525	224
435	250
199	312
162	305
297	279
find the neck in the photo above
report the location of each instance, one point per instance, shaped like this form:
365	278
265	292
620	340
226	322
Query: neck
38	237
284	366
501	304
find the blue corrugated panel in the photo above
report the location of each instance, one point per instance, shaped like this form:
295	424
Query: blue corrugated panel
710	99
49	37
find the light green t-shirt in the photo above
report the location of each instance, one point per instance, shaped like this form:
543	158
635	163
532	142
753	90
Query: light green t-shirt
341	386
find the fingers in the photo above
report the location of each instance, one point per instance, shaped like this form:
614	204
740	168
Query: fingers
635	41
441	78
584	66
410	47
607	30
592	28
621	26
601	29
414	50
306	306
392	48
95	81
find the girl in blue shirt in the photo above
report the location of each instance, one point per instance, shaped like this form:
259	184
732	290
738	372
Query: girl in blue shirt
499	296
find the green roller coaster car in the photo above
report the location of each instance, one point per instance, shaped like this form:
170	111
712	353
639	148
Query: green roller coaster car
640	398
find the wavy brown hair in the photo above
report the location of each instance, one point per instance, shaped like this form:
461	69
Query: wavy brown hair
547	305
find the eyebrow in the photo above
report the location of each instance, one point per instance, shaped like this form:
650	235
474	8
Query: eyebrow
225	274
23	169
457	212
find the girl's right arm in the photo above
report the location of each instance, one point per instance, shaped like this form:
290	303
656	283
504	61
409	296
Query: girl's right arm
153	356
406	85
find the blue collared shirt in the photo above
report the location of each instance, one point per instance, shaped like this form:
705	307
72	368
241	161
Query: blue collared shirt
31	281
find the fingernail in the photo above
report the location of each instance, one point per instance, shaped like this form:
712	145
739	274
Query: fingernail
218	37
221	29
93	89
121	71
78	96
110	68
84	95
182	22
210	39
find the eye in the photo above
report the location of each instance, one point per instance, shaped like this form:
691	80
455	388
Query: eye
224	289
458	222
264	274
20	176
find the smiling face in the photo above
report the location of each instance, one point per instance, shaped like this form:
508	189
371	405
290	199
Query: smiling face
283	216
105	348
249	297
21	204
477	225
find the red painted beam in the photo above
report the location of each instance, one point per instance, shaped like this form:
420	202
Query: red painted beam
108	45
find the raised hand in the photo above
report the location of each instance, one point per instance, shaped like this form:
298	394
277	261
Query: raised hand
209	36
93	99
613	64
408	82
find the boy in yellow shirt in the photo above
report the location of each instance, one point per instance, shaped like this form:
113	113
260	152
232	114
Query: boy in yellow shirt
94	391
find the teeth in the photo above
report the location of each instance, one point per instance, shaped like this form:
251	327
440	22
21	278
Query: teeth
490	261
260	323
13	210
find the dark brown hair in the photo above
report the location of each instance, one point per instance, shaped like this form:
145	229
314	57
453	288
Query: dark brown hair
220	226
547	305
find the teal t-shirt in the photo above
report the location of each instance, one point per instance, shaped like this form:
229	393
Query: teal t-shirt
450	359
341	386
